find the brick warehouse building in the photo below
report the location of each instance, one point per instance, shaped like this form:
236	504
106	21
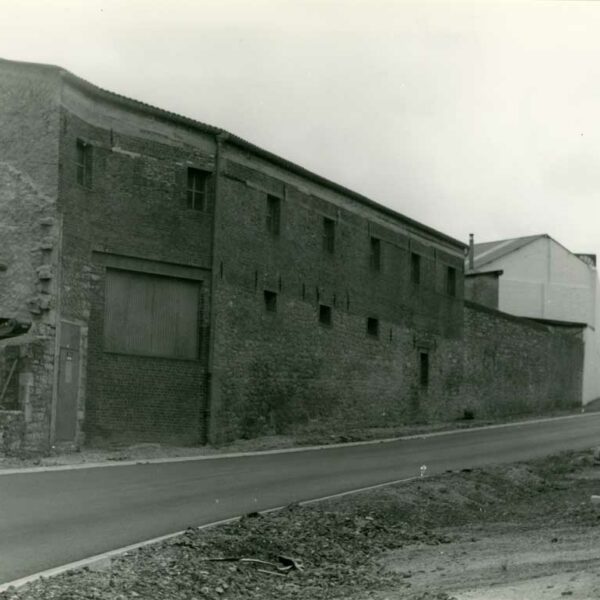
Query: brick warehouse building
184	285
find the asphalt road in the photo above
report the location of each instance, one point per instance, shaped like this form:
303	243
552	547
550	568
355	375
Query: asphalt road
52	518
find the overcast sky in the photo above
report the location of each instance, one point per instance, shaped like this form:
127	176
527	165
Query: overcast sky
470	117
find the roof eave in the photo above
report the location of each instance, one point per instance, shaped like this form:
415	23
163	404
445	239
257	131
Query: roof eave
233	139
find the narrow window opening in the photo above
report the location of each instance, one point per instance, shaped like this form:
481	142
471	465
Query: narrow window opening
270	301
84	164
273	215
451	281
334	300
197	189
415	268
303	291
375	254
391	334
424	369
255	280
328	235
221	269
373	326
325	314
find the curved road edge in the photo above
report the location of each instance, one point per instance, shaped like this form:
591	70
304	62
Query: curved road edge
102	560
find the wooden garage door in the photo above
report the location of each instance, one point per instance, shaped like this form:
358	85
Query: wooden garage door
151	315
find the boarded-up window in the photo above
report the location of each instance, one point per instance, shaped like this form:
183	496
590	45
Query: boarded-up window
151	315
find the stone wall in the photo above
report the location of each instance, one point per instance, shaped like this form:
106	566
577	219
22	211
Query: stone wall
29	242
29	393
11	432
9	377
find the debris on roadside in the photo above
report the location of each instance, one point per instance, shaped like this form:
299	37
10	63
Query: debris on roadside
342	548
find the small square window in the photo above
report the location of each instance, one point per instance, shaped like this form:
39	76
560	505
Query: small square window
270	301
273	215
415	268
197	189
451	281
83	163
328	235
424	369
325	314
375	254
373	326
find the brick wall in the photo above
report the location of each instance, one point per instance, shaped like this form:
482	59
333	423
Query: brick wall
272	371
278	370
514	366
483	288
141	398
135	207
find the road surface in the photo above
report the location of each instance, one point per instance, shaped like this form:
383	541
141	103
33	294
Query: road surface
52	518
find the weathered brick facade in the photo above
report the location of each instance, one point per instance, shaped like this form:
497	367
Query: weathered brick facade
515	366
483	288
313	303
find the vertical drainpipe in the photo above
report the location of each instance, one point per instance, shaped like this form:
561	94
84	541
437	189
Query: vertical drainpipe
211	383
57	333
57	282
471	252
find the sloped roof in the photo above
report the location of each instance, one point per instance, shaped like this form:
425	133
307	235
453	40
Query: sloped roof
233	139
487	252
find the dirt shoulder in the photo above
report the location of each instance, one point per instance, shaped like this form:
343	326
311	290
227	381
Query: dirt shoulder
526	530
312	435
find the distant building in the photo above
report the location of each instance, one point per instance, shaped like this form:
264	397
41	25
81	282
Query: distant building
184	285
543	280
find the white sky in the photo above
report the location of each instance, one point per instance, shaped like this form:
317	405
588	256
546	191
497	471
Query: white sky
466	116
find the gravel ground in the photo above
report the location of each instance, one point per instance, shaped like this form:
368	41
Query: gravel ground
520	531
